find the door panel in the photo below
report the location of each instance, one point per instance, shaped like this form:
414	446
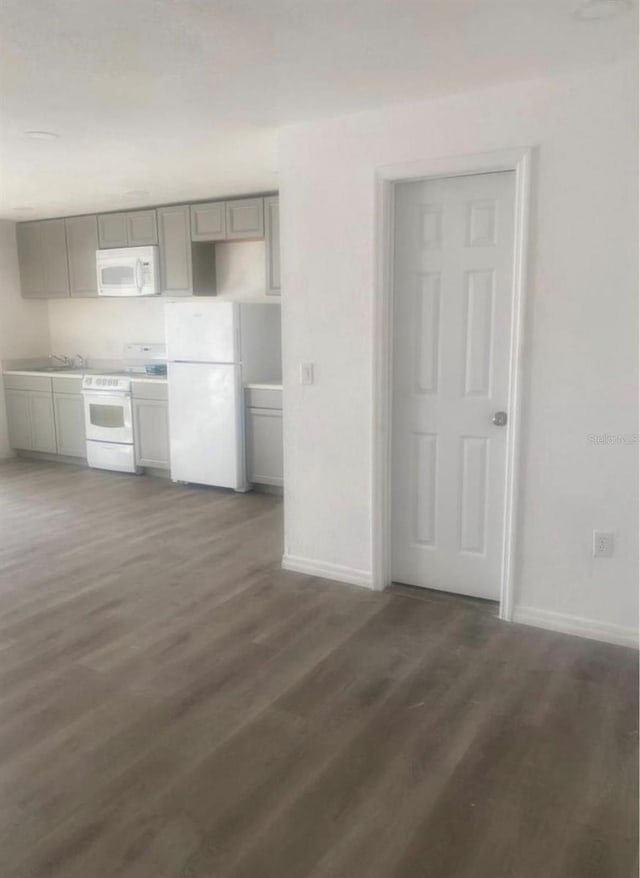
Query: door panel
453	283
112	230
55	268
175	250
142	229
245	218
70	429
18	418
30	260
82	243
272	238
43	430
209	221
151	431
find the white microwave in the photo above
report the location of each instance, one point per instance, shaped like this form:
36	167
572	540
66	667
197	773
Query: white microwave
128	271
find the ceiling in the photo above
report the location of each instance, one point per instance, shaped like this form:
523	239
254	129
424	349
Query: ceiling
180	99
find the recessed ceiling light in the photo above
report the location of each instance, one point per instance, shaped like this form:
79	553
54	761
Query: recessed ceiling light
41	135
594	10
135	193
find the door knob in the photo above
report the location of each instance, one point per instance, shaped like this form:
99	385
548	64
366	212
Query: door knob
499	419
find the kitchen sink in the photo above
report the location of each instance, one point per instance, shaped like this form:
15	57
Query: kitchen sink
69	370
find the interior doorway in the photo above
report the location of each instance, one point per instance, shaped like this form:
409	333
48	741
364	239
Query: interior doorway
452	269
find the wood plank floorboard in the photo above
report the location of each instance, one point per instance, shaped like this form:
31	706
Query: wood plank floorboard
174	705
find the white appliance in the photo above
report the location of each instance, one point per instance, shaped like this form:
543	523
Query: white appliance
108	415
213	348
128	271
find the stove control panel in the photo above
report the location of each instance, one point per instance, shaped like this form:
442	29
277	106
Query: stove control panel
118	383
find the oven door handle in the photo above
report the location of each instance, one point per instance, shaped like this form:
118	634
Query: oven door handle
97	397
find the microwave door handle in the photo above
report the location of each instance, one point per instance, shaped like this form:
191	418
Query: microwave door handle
139	277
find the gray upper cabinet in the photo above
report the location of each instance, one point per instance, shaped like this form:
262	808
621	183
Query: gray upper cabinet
242	219
30	260
208	222
141	228
57	257
245	219
82	243
272	244
136	228
112	230
42	255
54	258
174	234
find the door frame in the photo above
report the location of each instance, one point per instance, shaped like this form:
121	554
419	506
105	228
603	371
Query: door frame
519	160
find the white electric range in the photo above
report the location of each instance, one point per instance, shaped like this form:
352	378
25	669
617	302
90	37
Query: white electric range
108	409
108	415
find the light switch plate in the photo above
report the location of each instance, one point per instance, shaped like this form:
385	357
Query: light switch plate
306	373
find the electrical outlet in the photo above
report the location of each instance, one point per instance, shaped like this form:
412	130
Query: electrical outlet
602	544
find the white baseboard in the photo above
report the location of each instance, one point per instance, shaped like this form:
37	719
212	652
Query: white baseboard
324	569
591	628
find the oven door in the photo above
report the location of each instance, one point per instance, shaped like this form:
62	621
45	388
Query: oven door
108	417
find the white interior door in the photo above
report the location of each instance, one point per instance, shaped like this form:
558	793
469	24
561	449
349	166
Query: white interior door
453	299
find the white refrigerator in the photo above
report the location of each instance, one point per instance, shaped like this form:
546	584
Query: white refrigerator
213	349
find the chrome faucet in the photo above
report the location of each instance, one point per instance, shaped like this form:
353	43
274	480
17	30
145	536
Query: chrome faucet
81	361
67	362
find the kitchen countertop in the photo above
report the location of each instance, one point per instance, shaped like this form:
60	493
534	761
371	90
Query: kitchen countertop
53	373
80	373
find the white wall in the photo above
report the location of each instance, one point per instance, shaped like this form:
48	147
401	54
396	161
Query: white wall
98	328
24	326
581	363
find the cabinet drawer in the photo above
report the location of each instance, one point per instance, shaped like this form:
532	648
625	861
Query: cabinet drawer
260	398
67	385
27	382
150	390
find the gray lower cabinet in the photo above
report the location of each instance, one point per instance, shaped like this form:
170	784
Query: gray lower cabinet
18	418
272	244
151	432
82	243
70	425
264	446
135	228
31	420
42	256
174	234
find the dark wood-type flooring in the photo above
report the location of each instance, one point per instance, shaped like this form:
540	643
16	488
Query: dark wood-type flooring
173	704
